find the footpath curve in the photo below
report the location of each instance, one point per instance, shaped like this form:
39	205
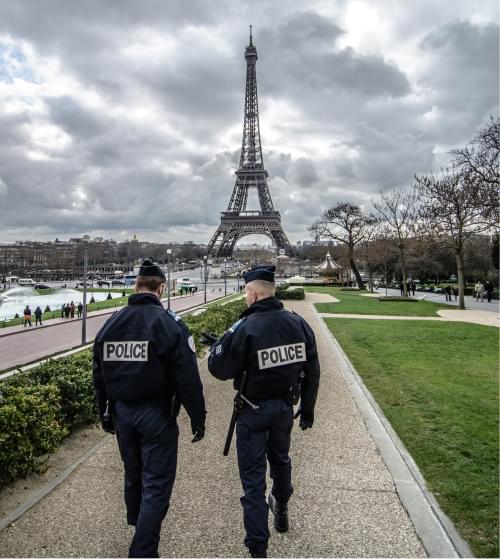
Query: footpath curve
345	501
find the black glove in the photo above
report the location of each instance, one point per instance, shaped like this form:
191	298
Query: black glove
306	419
198	432
107	425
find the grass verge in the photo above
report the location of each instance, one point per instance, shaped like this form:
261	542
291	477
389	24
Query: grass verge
356	303
437	383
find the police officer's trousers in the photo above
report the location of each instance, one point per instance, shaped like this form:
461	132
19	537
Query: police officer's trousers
147	438
263	433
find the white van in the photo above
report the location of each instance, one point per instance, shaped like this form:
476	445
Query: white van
26	281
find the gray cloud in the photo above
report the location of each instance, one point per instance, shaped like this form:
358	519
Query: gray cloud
128	116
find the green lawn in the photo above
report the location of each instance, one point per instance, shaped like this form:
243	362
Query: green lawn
353	302
437	383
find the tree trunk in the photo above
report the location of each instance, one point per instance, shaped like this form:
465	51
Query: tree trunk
403	270
460	275
354	268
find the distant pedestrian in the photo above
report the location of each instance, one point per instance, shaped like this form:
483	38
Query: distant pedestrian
455	293
479	291
63	310
38	316
72	309
447	292
488	288
27	316
402	288
80	309
413	287
67	310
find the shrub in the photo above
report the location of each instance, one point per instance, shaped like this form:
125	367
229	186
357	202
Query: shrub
215	320
47	309
282	287
29	428
294	293
73	378
109	296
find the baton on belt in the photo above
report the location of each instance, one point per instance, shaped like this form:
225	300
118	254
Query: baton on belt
237	405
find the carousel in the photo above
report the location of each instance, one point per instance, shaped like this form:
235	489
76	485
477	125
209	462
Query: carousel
329	269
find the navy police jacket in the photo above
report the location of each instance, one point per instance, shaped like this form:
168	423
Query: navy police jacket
273	345
144	353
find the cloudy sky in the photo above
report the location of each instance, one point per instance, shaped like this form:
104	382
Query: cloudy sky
122	117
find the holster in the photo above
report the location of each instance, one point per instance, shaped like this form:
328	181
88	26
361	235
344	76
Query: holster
293	396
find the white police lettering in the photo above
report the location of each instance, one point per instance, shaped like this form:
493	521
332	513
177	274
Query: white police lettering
281	355
125	351
191	344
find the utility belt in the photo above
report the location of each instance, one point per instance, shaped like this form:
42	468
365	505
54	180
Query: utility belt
291	398
171	405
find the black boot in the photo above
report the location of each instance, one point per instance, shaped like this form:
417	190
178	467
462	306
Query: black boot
258	553
280	511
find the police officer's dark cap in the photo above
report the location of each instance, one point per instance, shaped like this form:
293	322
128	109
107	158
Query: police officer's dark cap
264	273
149	268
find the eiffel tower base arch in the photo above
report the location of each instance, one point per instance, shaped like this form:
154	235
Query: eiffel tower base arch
233	228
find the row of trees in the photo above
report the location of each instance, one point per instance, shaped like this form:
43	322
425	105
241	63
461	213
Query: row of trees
445	211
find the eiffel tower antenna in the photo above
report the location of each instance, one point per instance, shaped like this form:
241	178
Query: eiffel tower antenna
236	221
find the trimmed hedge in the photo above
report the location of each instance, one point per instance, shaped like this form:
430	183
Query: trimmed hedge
293	293
38	410
30	427
215	320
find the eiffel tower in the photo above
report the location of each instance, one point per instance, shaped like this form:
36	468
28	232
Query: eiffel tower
236	221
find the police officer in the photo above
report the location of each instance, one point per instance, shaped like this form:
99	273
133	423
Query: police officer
277	350
144	368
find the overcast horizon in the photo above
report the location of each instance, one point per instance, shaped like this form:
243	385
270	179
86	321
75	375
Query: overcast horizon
126	118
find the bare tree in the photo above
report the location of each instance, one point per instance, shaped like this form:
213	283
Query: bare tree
479	164
369	248
398	209
451	214
347	223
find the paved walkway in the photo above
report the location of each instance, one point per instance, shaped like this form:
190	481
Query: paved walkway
470	302
345	501
31	344
475	317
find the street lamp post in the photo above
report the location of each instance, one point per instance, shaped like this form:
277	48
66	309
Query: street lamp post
169	253
205	276
225	277
84	311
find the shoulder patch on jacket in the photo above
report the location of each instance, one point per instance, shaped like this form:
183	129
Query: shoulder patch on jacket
218	350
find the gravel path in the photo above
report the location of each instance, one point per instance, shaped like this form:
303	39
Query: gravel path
345	503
